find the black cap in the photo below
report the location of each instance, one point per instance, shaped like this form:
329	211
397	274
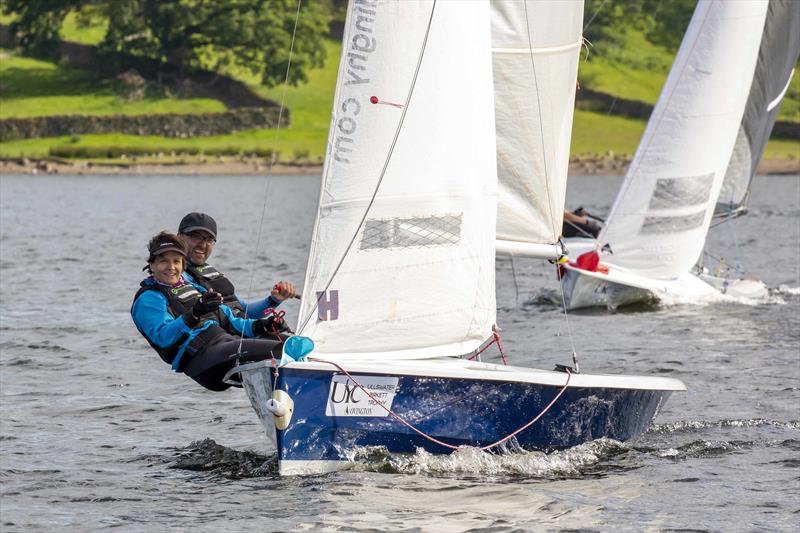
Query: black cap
166	242
198	221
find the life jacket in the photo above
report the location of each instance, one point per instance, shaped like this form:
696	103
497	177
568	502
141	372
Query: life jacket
179	301
209	278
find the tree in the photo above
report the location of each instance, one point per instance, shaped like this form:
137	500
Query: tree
189	34
38	22
252	34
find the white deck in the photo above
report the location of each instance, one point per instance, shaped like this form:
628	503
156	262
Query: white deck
464	369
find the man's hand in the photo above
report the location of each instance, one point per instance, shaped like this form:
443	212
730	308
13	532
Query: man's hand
283	290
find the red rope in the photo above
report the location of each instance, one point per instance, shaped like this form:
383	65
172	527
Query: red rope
433	439
496	339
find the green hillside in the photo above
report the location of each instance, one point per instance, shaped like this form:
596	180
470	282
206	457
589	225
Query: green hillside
29	87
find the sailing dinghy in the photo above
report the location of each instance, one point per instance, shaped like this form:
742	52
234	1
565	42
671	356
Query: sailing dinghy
399	291
657	227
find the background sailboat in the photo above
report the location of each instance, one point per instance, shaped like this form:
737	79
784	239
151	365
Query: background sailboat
400	278
656	230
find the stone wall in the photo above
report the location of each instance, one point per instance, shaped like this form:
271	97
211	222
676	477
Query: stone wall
166	125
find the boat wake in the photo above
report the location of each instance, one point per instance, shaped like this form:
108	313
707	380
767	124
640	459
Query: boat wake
785	290
595	458
568	463
219	461
684	426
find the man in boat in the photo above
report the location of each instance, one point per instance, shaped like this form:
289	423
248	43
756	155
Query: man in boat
579	224
200	232
190	327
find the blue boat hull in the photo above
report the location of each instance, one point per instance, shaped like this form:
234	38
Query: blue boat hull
457	411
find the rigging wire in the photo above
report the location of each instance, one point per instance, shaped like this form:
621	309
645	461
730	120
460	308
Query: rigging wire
547	181
382	174
273	158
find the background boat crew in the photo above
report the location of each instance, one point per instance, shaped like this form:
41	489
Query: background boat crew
200	231
195	331
578	224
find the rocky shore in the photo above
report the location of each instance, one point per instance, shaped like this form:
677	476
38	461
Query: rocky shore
579	166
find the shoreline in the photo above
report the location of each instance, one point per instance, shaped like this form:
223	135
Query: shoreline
579	166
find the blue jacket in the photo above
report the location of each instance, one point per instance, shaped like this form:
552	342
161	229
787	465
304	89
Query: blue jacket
153	319
255	309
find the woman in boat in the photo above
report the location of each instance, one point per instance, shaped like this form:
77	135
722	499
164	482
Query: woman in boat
190	327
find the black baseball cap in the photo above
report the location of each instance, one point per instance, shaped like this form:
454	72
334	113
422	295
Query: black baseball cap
198	221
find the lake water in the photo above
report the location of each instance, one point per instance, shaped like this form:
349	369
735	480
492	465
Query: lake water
96	432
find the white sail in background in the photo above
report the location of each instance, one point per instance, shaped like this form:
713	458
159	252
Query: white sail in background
777	56
418	279
659	221
535	50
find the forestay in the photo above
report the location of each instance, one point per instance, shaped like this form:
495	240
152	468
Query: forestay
535	51
418	279
659	221
777	56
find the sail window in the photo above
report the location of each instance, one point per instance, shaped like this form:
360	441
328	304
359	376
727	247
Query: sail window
673	224
381	234
680	192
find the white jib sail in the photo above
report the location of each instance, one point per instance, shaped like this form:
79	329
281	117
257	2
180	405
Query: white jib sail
418	279
658	224
535	50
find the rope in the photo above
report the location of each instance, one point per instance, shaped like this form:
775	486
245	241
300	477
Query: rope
434	439
495	339
269	170
311	311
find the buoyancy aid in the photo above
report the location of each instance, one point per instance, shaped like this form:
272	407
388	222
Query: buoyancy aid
210	278
180	300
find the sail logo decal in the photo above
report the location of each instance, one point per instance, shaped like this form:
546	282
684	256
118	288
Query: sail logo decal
345	398
328	305
433	230
361	45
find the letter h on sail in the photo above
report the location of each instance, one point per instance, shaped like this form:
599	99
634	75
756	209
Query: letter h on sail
328	305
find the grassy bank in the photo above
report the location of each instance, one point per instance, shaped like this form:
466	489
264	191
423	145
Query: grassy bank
35	88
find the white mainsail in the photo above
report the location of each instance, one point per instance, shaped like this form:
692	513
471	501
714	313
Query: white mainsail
415	278
535	51
659	221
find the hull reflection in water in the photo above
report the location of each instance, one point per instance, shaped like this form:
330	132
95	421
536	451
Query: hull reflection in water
457	402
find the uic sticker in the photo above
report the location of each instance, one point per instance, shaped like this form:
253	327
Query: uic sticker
345	398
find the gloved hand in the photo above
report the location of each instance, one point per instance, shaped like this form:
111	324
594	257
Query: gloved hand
208	302
581	212
269	325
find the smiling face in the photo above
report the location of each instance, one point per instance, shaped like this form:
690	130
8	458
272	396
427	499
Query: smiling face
167	267
201	244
